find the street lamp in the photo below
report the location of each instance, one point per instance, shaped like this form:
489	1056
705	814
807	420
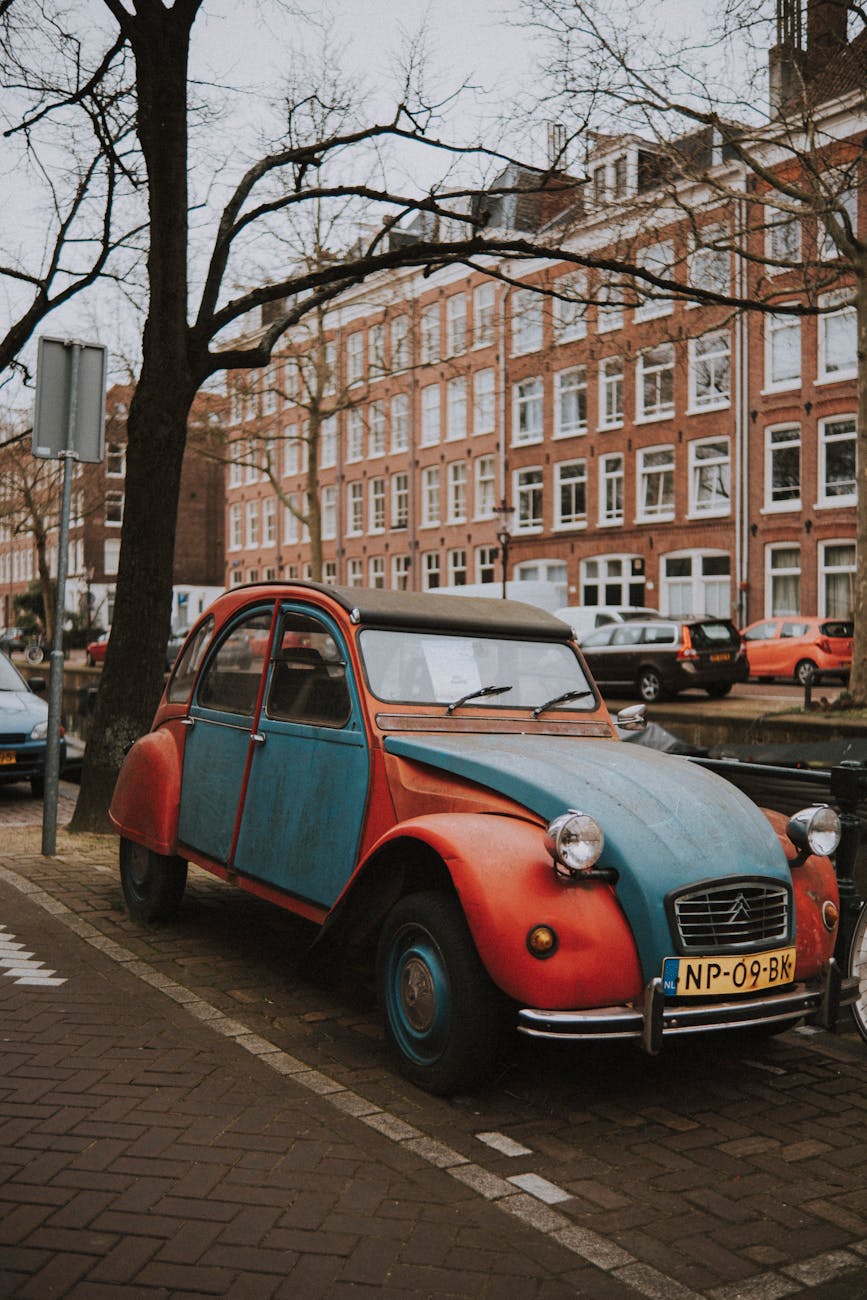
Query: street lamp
504	514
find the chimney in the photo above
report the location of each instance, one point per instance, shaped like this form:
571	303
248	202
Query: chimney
826	33
786	59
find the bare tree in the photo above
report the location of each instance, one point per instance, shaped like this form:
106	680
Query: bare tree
29	508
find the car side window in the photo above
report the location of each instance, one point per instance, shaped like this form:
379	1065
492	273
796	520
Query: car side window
761	632
658	635
602	636
190	660
230	682
794	629
627	634
308	680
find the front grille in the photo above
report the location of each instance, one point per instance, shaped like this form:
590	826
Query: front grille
12	740
738	915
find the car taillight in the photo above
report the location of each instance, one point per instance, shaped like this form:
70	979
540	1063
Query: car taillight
686	650
823	645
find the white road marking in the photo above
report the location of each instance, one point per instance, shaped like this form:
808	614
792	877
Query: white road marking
505	1145
17	965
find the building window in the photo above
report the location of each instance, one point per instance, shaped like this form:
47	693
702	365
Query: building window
400	572
252	523
329	572
456	323
329	512
528	499
376	570
570	402
656	382
708	265
782	351
355	358
483	315
110	555
486	562
400	422
609	304
783	582
526	321
656	259
115	460
354	573
611	393
399	500
612	580
327	443
457	568
570	307
570	494
838	338
354	509
483	401
783	468
354	434
696	583
376	517
837	463
269	521
837	579
430	415
528	417
376	349
236	473
710	477
114	507
430	572
376	429
782	239
399	343
430	496
656	483
291	522
485	495
846	204
710	371
457	492
611	489
235	533
430	334
456	409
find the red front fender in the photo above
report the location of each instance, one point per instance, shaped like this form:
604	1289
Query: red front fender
505	881
144	807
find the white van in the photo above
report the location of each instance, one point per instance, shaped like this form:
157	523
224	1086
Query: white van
584	618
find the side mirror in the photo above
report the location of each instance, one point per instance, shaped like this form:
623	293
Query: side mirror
632	718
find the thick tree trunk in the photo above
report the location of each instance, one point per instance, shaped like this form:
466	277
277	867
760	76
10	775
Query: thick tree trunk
133	674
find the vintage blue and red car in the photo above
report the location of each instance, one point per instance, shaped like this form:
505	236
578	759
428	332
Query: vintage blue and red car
437	780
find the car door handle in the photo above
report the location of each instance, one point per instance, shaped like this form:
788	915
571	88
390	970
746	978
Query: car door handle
258	738
188	722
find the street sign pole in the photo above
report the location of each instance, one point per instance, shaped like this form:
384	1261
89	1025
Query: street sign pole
55	679
68	425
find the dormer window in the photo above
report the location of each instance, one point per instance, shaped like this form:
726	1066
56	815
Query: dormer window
599	184
619	168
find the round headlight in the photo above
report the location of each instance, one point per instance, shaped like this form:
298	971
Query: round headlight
817	829
575	842
40	731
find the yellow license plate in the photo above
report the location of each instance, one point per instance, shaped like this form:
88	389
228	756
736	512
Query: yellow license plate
720	659
6	756
708	977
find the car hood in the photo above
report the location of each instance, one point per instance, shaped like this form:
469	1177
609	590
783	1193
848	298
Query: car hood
21	710
667	822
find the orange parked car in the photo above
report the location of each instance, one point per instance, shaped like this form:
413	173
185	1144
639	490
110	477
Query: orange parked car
805	649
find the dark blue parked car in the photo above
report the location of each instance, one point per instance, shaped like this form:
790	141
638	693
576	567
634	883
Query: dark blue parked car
23	728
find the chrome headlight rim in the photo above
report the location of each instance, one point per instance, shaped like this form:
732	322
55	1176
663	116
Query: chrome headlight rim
816	829
575	842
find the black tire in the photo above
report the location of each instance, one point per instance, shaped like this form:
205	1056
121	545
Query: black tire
858	969
153	885
442	1011
37	787
718	690
649	684
805	673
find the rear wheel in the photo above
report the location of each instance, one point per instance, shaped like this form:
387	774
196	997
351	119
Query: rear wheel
153	884
442	1012
650	686
858	969
718	690
805	672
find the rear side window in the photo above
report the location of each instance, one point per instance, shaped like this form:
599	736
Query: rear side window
837	628
794	629
658	635
187	667
706	636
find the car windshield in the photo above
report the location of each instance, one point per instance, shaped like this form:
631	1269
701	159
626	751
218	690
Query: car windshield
10	678
430	668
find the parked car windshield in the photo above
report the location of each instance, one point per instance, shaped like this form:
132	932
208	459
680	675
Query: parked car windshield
10	678
431	668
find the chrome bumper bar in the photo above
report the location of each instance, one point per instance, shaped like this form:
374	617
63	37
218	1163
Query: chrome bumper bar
657	1019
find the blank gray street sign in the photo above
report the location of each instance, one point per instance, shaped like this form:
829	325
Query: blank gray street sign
51	410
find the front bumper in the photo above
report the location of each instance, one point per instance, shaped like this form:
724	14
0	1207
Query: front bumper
658	1018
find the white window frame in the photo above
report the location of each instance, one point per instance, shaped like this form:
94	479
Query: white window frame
430	415
528	495
329	512
782	238
527	322
456	409
251	524
611	382
354	434
697	591
355	357
783	444
430	334
655	374
456	501
400	422
430	570
834	431
484	487
486	558
570	391
400	500
844	324
328	442
570	312
354	508
571	476
484	401
710	371
528	411
376	572
662	509
709	268
399	338
775	607
235	527
612	471
456	324
717	503
826	571
456	567
779	327
400	568
376	505
658	259
484	314
376	430
430	496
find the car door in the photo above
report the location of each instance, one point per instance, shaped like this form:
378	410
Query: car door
304	806
762	643
220	728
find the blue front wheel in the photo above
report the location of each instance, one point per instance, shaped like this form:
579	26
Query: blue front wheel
442	1012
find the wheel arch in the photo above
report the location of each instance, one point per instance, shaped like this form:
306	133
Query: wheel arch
146	799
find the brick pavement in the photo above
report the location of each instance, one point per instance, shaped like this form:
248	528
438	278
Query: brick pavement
186	1115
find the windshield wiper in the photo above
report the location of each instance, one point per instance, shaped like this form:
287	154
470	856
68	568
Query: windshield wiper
561	699
477	695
